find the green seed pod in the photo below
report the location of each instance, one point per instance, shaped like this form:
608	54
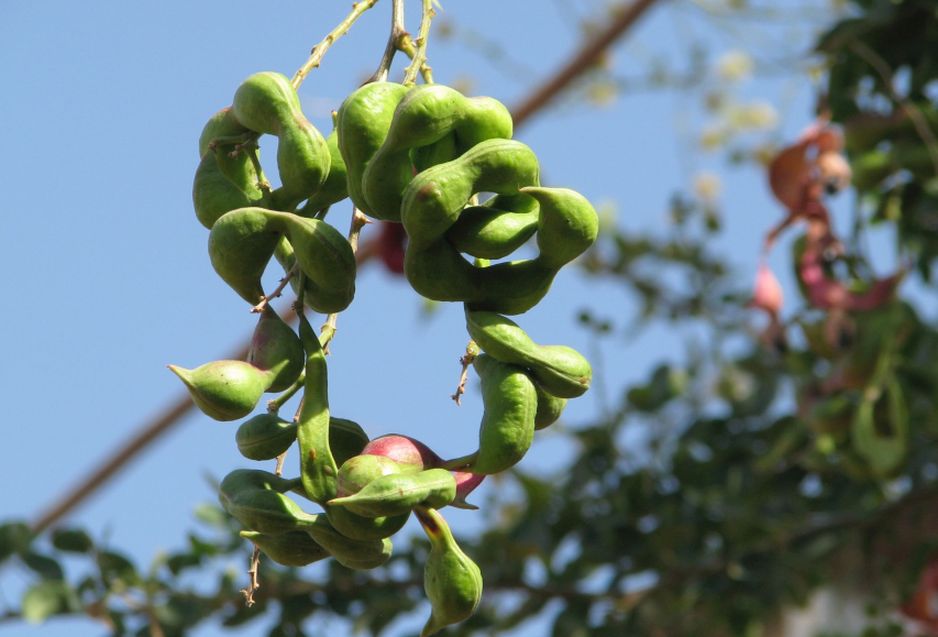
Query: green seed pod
549	408
351	553
317	465
242	242
293	548
226	178
225	390
335	188
355	473
507	427
425	116
434	199
268	512
276	348
362	124
241	480
452	581
444	150
240	246
265	436
496	229
567	225
399	493
267	103
346	439
560	370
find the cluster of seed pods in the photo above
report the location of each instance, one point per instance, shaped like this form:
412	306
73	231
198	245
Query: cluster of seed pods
417	156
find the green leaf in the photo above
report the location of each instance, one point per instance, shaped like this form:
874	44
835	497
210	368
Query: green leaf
880	430
14	538
44	566
72	540
47	598
116	567
211	515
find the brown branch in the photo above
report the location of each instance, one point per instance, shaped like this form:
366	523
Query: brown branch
624	18
163	421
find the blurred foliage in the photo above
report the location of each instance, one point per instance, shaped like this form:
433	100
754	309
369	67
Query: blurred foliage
708	497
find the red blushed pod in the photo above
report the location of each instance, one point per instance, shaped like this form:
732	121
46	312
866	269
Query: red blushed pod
404	450
465	484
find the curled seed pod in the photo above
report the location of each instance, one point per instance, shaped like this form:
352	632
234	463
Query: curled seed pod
240	245
351	553
241	480
549	408
399	493
293	548
358	527
409	452
225	390
560	370
354	474
507	427
267	103
426	115
452	581
265	436
276	348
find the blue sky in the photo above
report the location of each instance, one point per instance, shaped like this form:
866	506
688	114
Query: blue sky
107	278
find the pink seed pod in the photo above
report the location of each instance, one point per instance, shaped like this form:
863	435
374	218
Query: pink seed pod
465	484
830	294
834	171
404	450
767	292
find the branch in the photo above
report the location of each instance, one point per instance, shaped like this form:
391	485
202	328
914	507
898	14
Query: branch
318	51
419	61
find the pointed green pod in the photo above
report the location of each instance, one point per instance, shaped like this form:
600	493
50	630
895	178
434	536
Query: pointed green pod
265	436
451	580
362	124
560	370
567	225
224	390
240	245
351	553
241	480
549	408
267	103
293	548
399	493
268	512
214	194
317	465
495	229
507	428
276	348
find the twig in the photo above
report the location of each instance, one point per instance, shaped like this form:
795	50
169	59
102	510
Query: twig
327	331
398	32
278	290
918	120
318	51
255	581
274	405
419	61
472	350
